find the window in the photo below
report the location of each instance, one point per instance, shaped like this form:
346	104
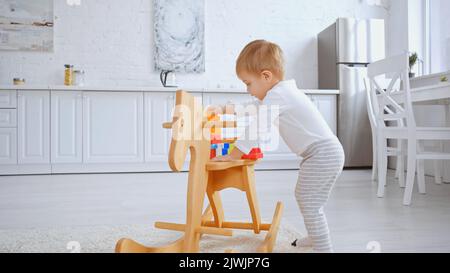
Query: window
438	37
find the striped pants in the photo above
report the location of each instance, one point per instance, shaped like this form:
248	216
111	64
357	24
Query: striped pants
322	164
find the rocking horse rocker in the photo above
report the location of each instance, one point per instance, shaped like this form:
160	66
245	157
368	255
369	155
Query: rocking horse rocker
205	177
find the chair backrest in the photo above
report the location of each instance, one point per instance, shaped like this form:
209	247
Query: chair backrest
370	107
389	77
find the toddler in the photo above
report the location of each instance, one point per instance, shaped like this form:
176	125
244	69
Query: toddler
260	66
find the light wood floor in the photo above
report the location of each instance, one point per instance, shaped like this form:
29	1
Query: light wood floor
355	215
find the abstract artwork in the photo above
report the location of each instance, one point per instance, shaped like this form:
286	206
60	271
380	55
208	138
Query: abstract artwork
26	25
179	31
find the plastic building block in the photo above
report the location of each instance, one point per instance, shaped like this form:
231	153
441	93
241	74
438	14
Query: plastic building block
216	139
254	154
231	147
212	154
214	117
220	145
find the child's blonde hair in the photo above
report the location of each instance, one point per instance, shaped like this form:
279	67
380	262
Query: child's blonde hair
261	55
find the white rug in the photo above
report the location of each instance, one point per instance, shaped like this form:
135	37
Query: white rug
102	239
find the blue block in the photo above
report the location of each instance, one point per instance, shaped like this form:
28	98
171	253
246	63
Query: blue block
226	145
224	151
214	146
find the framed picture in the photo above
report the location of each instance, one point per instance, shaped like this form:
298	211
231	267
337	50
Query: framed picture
179	29
26	25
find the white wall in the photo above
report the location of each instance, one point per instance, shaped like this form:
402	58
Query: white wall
398	27
113	40
440	35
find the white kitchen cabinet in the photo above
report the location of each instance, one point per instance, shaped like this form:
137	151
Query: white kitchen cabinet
113	127
8	127
327	106
65	130
224	98
66	126
33	127
8	146
158	109
8	118
8	98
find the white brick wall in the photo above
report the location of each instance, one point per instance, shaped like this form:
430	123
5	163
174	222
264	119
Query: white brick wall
113	40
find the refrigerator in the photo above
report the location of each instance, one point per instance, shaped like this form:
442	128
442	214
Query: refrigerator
344	50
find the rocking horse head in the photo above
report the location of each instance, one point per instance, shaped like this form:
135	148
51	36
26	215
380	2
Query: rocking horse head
187	130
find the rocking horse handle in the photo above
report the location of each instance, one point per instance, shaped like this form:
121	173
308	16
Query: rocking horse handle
169	125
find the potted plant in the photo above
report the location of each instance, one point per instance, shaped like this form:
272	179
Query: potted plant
412	62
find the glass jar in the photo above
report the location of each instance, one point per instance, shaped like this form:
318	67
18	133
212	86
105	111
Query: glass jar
68	74
78	77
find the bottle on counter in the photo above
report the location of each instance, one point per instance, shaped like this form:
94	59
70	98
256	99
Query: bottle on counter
68	74
78	77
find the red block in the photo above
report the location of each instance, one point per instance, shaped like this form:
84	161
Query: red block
254	154
212	153
216	139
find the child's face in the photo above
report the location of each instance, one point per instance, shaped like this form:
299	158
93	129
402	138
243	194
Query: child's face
258	85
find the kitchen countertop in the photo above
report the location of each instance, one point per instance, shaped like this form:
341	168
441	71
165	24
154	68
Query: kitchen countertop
147	89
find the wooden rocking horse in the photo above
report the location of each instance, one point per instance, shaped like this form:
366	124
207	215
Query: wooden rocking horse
190	130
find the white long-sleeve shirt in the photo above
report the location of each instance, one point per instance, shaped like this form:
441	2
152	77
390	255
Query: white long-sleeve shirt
296	119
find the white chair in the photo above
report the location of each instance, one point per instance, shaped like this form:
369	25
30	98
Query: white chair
396	69
398	152
391	151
